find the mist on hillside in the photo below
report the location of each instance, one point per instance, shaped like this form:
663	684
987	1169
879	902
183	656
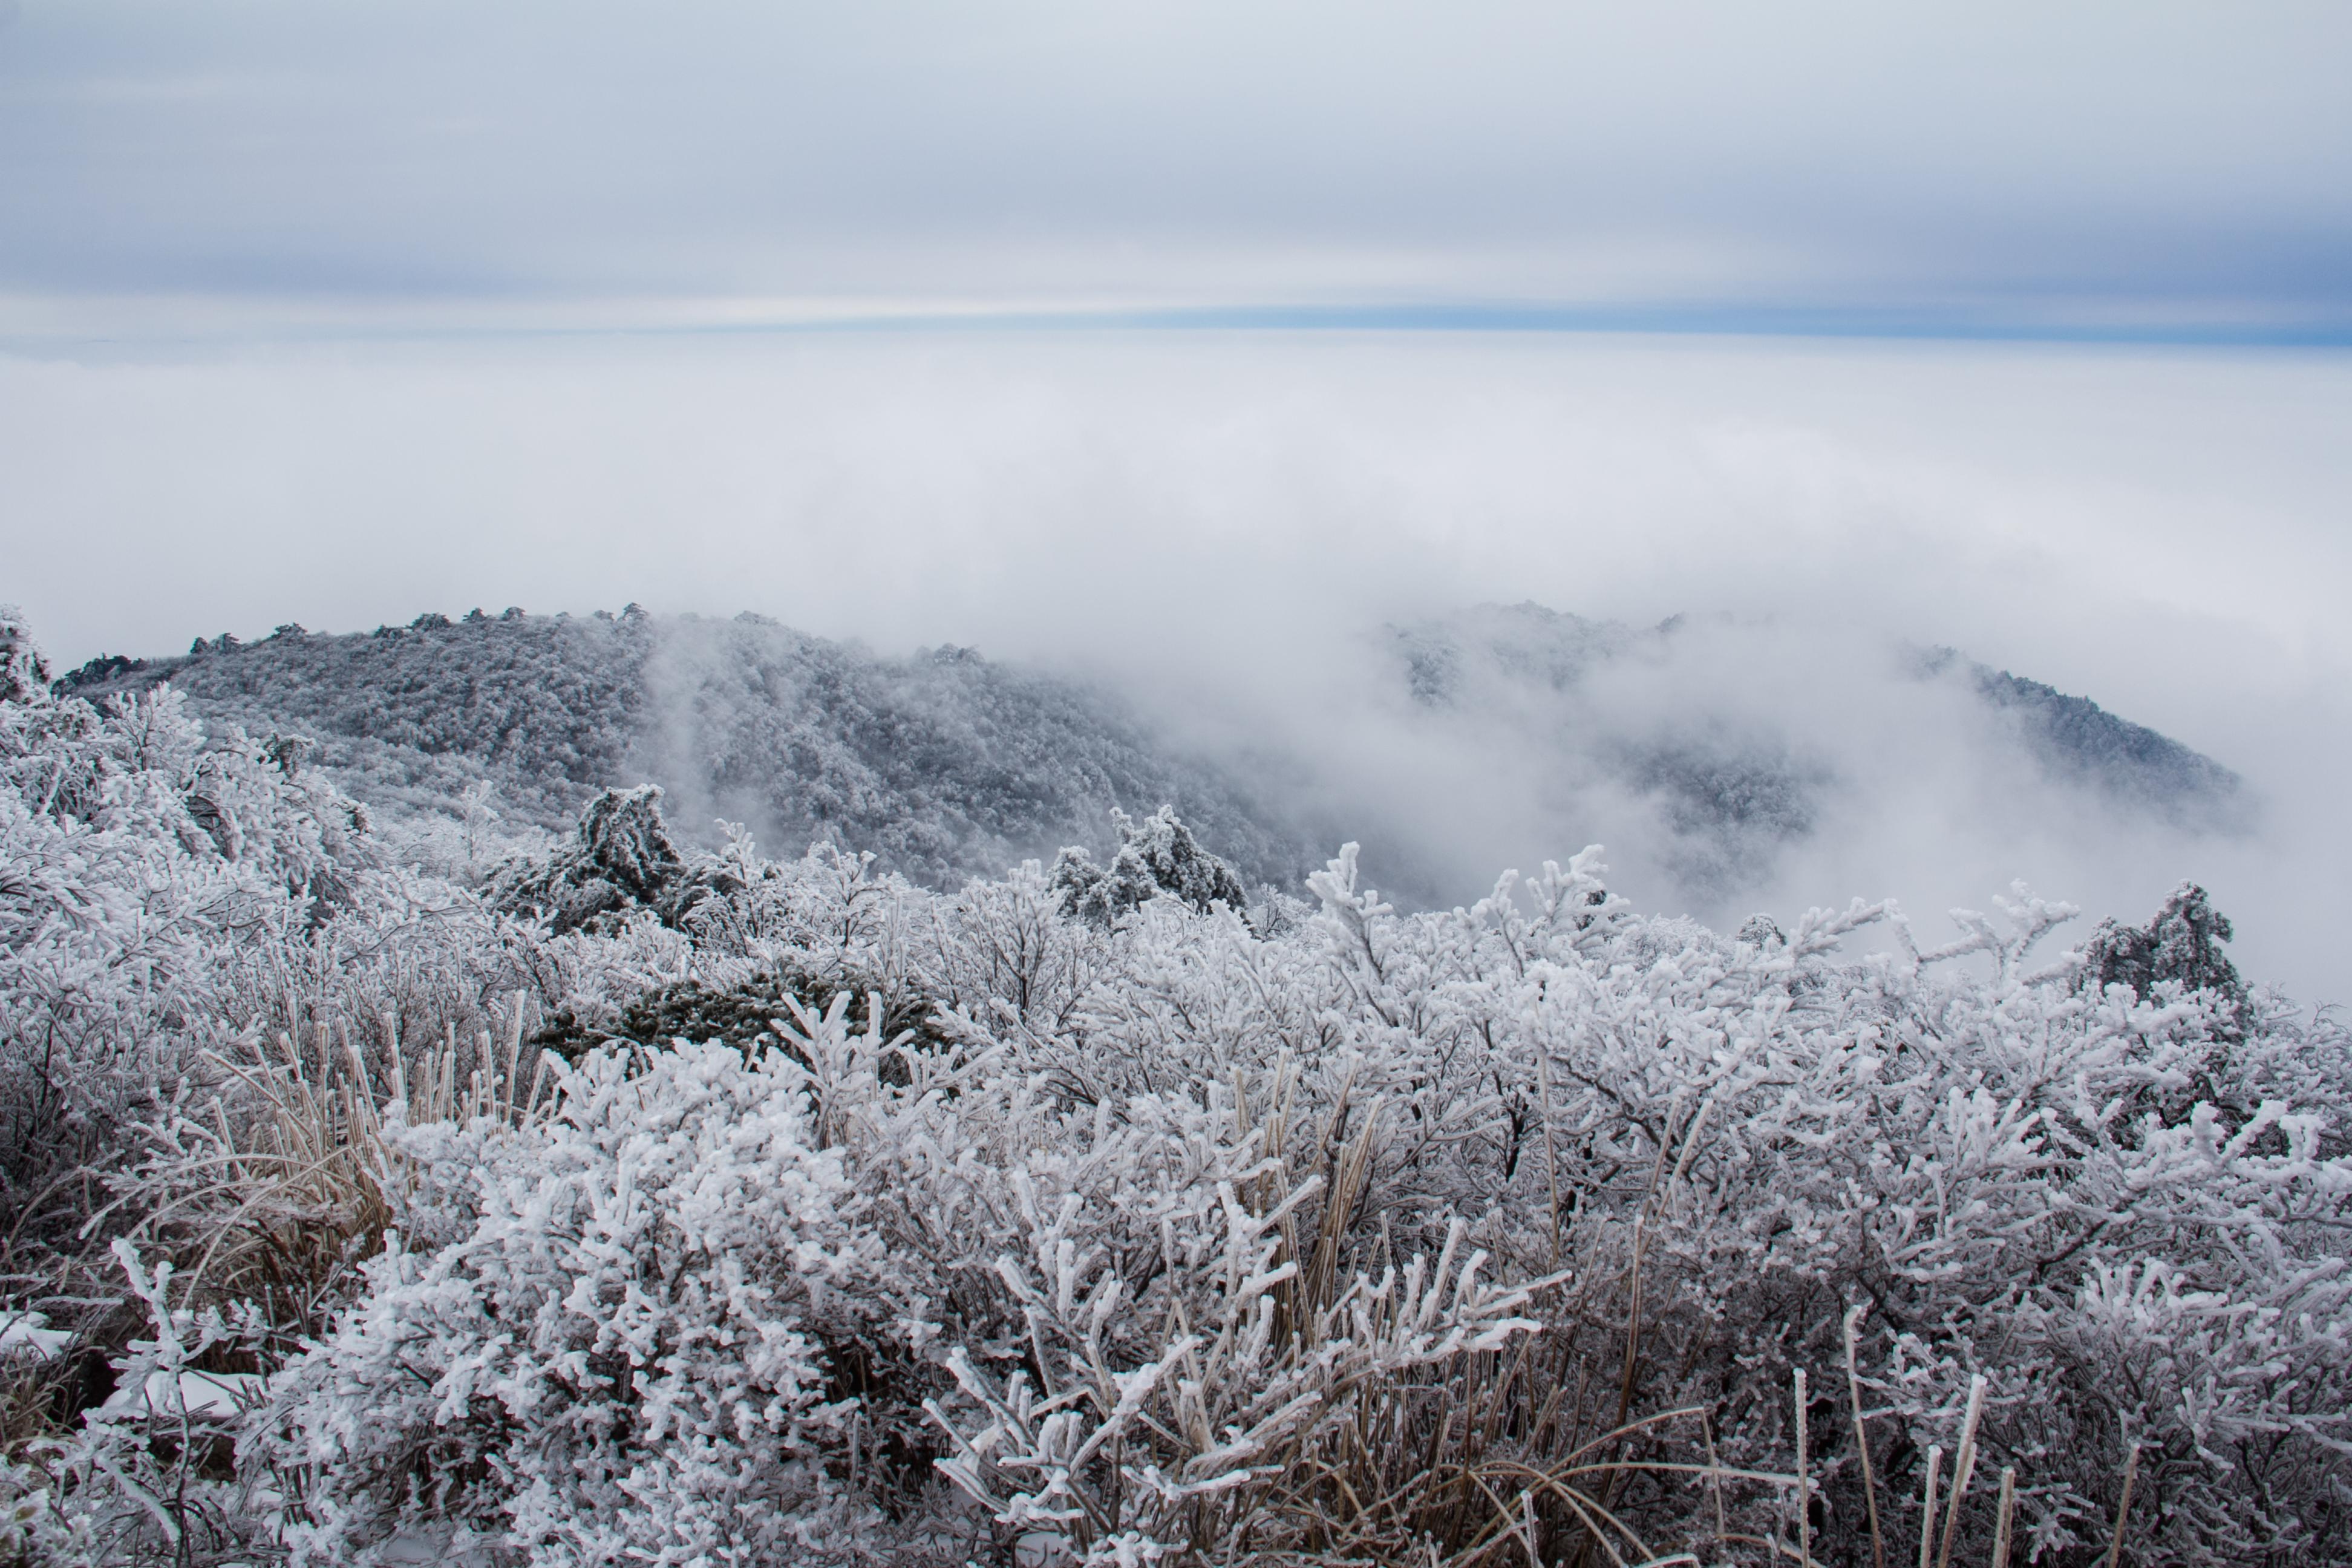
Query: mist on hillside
1226	535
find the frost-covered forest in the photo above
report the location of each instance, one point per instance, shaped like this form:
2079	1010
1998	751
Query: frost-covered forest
1702	743
944	765
404	1186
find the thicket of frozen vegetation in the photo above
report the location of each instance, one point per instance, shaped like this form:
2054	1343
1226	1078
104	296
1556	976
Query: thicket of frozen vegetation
367	1200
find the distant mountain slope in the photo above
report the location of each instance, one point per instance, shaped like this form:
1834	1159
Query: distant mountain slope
1469	656
1706	753
548	708
945	764
1734	766
2075	736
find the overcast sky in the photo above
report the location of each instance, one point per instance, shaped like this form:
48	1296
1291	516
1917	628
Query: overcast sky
169	167
304	310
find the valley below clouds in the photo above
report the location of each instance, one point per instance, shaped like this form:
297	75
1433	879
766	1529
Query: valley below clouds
1259	549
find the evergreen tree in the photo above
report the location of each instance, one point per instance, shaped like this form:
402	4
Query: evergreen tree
24	667
2183	945
622	860
1159	855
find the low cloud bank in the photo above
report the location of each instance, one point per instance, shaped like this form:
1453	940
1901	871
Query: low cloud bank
1221	527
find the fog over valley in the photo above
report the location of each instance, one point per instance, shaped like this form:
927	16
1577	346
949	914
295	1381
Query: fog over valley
1775	588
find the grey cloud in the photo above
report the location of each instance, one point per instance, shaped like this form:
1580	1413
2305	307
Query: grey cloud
2154	158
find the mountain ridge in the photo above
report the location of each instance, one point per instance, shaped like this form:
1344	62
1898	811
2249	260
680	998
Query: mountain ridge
948	766
943	763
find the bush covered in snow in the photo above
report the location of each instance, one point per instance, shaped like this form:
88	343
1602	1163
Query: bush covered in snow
631	1204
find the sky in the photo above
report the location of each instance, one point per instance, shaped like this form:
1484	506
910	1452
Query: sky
1182	346
2150	168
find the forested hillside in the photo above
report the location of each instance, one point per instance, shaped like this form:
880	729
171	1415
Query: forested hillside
622	1201
943	764
947	765
547	706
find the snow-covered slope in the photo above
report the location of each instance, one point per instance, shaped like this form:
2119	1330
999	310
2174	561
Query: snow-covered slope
945	764
1730	749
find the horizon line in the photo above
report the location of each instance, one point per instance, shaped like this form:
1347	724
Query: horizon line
1818	321
1726	320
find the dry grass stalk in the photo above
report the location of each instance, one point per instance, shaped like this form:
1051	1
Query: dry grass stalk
1632	1362
1804	1511
1552	1153
1463	1464
1862	1439
1714	1478
304	1165
1964	1465
1928	1509
33	1390
2122	1507
2008	1507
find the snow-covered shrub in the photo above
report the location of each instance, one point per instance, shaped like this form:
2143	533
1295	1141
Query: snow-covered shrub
151	1474
35	1529
1764	1134
24	667
1272	1385
614	1351
1005	950
138	860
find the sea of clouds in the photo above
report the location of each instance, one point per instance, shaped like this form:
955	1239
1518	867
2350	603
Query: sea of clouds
1221	525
